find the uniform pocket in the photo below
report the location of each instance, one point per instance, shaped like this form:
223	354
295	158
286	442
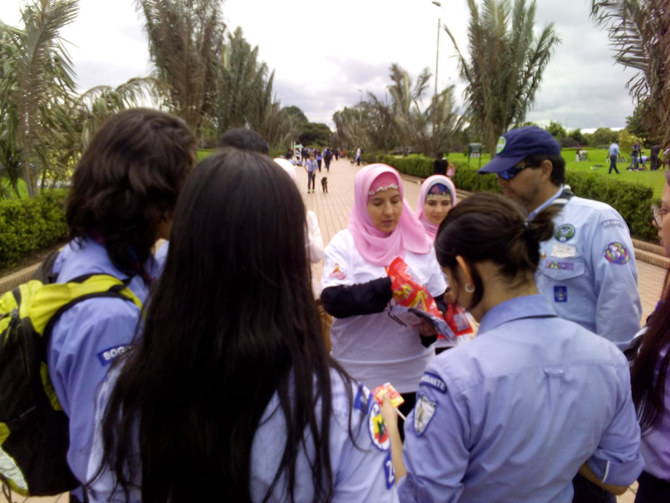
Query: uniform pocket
561	269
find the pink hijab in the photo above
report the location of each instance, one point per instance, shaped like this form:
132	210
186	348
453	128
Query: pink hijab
377	247
431	228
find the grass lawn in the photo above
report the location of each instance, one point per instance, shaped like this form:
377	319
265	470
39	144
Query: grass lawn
653	179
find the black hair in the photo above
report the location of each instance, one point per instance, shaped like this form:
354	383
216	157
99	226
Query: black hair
488	226
232	322
558	163
244	139
649	371
127	181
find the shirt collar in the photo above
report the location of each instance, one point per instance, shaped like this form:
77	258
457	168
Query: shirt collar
528	306
548	202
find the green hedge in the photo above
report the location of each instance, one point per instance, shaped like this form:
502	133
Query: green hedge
28	225
632	200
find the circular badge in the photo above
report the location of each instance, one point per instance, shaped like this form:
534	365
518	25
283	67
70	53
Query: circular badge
379	433
616	253
565	233
501	144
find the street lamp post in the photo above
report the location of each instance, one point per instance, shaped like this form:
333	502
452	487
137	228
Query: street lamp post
437	62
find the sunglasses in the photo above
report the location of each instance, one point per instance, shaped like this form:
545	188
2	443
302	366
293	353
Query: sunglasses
510	173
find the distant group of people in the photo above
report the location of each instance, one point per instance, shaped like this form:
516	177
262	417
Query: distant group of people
225	388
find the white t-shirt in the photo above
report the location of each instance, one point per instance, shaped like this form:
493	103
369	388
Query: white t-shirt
375	348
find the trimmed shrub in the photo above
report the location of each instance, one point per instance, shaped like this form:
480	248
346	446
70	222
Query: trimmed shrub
632	200
28	225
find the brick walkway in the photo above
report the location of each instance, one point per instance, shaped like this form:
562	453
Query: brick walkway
333	211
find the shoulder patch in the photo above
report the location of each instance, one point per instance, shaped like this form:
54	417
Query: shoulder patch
433	381
423	413
611	222
379	433
616	253
389	472
565	233
362	397
107	356
337	272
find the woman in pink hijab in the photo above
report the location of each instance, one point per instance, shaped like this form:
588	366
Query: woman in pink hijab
372	346
436	197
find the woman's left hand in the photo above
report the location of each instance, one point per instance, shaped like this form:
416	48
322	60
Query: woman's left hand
427	330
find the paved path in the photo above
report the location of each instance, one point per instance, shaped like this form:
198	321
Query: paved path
333	211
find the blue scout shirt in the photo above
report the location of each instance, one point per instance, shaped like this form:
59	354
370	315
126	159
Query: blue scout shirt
513	414
362	467
587	270
85	340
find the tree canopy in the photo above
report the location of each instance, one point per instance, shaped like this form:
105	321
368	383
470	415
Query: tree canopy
505	65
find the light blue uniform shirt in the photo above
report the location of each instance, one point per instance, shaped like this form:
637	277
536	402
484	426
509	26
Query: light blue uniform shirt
84	342
362	467
512	415
587	270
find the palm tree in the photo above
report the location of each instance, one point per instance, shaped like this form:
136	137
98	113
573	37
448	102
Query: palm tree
506	64
185	43
37	82
405	103
640	35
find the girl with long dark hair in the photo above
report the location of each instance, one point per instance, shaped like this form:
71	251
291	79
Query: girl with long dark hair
650	381
514	414
229	392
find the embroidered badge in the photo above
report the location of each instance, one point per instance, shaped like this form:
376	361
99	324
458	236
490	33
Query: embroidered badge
560	294
563	251
106	356
612	222
565	233
501	144
434	382
379	434
616	253
389	472
559	265
423	413
337	272
361	400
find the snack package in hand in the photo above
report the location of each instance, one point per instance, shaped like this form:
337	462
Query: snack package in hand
458	321
387	389
407	291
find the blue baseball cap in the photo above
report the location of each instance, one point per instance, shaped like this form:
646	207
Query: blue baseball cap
517	144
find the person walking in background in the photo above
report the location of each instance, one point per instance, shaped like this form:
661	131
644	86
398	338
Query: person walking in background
529	402
654	160
369	344
124	191
229	391
587	270
311	167
357	159
614	155
635	153
319	158
650	381
327	158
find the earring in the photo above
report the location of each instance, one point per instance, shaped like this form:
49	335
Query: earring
469	288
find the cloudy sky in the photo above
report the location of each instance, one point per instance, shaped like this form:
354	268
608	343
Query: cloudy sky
328	54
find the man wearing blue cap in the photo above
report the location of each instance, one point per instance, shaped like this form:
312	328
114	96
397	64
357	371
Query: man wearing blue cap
587	269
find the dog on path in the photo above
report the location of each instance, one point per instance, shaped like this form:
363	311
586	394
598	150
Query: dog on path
324	184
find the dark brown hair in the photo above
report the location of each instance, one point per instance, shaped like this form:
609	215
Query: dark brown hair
127	181
488	226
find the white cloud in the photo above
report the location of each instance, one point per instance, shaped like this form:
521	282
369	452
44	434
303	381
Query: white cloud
327	54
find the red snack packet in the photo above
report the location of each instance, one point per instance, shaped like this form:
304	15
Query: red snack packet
457	320
407	291
387	389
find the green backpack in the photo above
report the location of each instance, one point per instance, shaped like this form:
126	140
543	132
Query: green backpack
34	434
